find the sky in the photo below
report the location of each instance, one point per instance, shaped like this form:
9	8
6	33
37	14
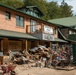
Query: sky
69	2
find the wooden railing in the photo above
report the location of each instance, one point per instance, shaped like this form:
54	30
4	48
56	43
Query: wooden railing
34	29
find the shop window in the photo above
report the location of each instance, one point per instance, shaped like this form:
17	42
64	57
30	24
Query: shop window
19	21
8	15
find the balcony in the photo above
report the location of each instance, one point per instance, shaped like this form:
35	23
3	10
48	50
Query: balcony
40	32
34	29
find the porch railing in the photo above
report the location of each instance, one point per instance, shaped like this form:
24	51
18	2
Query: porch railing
34	29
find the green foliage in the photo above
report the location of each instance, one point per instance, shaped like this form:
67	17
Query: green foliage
51	10
12	3
66	10
40	3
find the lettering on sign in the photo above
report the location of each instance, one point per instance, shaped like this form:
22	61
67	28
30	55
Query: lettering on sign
48	29
48	37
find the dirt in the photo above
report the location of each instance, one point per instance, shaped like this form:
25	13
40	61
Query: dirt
27	70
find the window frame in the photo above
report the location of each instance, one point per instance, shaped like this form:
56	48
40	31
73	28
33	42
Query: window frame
19	21
33	25
8	15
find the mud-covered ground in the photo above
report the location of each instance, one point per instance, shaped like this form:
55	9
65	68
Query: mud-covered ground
26	70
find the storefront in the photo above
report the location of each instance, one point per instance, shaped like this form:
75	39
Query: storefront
14	41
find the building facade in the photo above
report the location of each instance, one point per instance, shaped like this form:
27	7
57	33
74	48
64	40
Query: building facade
18	28
22	29
66	26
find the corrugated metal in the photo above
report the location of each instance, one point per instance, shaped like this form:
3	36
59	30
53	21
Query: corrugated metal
59	40
68	21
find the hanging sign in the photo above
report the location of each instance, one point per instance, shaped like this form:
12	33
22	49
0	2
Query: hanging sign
48	30
48	37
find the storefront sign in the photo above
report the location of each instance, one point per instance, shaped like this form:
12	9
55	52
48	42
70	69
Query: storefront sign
48	30
15	45
48	37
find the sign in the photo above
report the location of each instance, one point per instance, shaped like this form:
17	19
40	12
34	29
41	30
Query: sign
15	45
48	37
48	30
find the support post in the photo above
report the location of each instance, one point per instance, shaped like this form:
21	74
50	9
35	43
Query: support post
23	44
5	45
37	43
26	45
42	28
50	44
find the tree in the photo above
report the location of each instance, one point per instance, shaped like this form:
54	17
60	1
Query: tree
12	3
66	9
51	10
54	10
40	3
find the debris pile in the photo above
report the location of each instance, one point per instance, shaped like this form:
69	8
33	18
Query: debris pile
43	56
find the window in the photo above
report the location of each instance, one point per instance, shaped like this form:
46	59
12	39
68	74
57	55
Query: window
19	21
33	25
71	32
8	15
55	30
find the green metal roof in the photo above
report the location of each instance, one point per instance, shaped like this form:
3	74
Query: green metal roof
35	7
68	21
13	34
67	39
59	40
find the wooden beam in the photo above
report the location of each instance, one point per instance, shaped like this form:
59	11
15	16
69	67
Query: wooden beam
5	45
42	28
23	44
50	44
26	45
37	43
0	44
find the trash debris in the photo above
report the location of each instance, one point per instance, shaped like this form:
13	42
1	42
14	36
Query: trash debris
44	57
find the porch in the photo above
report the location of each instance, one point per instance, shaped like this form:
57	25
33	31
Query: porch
15	41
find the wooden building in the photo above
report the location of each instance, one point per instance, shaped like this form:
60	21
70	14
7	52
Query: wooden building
23	28
66	27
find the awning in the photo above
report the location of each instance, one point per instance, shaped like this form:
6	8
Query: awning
13	34
59	40
67	39
61	34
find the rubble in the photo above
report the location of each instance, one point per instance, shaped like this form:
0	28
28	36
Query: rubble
46	56
43	57
65	68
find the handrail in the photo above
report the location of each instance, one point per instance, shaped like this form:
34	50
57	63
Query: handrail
33	29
